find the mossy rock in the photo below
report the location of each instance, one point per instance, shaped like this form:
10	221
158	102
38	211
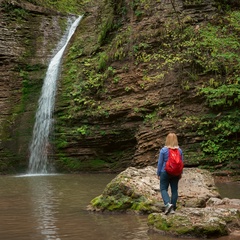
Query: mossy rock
122	198
138	190
205	222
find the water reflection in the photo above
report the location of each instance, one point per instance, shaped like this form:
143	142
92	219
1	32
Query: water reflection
45	203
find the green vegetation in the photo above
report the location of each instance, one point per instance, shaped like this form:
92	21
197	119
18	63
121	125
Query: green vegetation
70	6
116	56
119	197
18	14
214	52
208	59
29	91
28	85
121	203
182	225
68	164
221	136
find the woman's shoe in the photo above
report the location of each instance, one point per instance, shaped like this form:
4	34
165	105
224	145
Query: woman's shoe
168	208
172	211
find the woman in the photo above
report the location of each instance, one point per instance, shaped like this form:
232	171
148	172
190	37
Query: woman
165	178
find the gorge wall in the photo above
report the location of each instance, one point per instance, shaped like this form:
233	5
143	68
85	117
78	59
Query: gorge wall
119	96
134	71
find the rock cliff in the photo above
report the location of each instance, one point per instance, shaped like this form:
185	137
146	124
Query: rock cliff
134	72
131	76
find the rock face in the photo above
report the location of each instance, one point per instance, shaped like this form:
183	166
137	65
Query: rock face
118	98
29	35
200	210
126	82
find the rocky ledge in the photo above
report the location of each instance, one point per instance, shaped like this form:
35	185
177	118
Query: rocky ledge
201	212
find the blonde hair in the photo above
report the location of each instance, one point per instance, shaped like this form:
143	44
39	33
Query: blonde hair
171	141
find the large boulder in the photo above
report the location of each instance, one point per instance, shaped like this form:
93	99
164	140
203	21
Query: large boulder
138	190
196	222
201	212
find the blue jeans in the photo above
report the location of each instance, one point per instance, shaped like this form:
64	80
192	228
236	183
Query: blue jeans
165	181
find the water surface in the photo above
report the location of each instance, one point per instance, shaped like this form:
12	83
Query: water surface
229	189
54	207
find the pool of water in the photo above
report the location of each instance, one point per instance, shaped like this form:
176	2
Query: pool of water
229	189
54	207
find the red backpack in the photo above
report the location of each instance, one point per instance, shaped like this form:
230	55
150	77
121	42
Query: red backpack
174	165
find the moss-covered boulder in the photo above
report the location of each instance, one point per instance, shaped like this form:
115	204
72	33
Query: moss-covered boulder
196	222
138	190
128	192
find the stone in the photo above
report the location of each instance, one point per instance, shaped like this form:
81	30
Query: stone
200	210
196	222
138	190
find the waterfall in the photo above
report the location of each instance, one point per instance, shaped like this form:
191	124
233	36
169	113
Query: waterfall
38	161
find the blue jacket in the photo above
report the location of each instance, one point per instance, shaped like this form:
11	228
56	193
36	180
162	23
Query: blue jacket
162	159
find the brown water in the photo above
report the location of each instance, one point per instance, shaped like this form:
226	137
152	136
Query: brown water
54	207
229	189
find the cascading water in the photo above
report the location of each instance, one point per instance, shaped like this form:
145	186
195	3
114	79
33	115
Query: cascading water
38	162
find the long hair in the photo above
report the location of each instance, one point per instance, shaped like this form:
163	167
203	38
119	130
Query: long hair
171	141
